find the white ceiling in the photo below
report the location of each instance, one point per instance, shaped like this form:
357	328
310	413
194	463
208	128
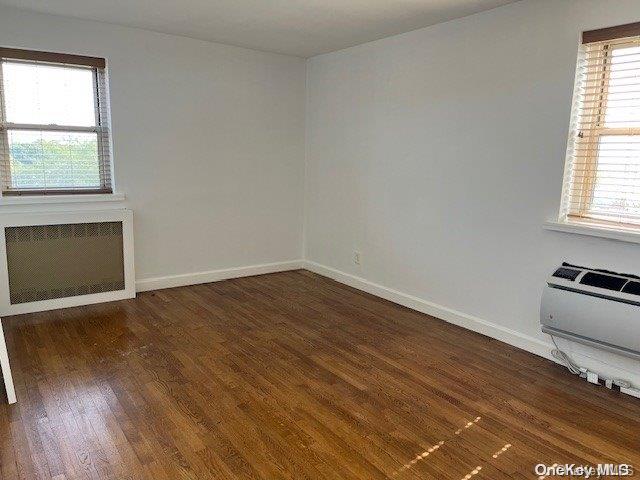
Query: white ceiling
295	27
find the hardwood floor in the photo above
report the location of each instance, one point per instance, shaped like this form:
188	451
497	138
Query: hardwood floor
290	375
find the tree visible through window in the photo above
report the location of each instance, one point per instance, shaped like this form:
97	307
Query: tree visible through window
54	135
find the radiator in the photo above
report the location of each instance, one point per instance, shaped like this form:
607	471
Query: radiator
66	259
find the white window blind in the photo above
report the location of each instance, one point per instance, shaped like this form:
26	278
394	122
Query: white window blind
602	173
54	125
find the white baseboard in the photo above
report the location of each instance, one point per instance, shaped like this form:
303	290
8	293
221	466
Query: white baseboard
470	322
449	315
195	278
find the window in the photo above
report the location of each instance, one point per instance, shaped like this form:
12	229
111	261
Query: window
602	174
54	129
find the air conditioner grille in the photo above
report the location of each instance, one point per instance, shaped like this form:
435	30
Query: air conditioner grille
603	281
566	273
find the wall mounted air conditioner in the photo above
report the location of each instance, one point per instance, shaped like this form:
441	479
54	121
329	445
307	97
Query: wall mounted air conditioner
594	307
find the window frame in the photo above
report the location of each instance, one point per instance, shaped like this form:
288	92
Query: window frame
101	127
586	135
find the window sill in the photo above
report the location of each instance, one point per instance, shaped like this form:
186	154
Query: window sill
56	199
594	230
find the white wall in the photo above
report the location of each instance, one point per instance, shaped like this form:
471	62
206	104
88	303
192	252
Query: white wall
208	141
439	154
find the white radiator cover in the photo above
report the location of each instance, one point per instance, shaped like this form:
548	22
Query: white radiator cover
93	220
599	317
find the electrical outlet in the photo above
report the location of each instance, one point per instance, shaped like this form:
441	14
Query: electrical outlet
356	257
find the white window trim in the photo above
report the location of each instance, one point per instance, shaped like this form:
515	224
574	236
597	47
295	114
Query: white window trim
54	199
629	235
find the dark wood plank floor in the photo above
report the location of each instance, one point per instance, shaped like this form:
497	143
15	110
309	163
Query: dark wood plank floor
290	375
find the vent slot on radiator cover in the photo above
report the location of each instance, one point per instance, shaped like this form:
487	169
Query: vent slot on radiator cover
58	261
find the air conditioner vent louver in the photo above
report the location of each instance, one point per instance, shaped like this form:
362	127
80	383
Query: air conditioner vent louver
632	288
567	273
601	280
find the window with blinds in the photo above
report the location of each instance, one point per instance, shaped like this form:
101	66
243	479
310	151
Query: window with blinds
54	126
602	174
